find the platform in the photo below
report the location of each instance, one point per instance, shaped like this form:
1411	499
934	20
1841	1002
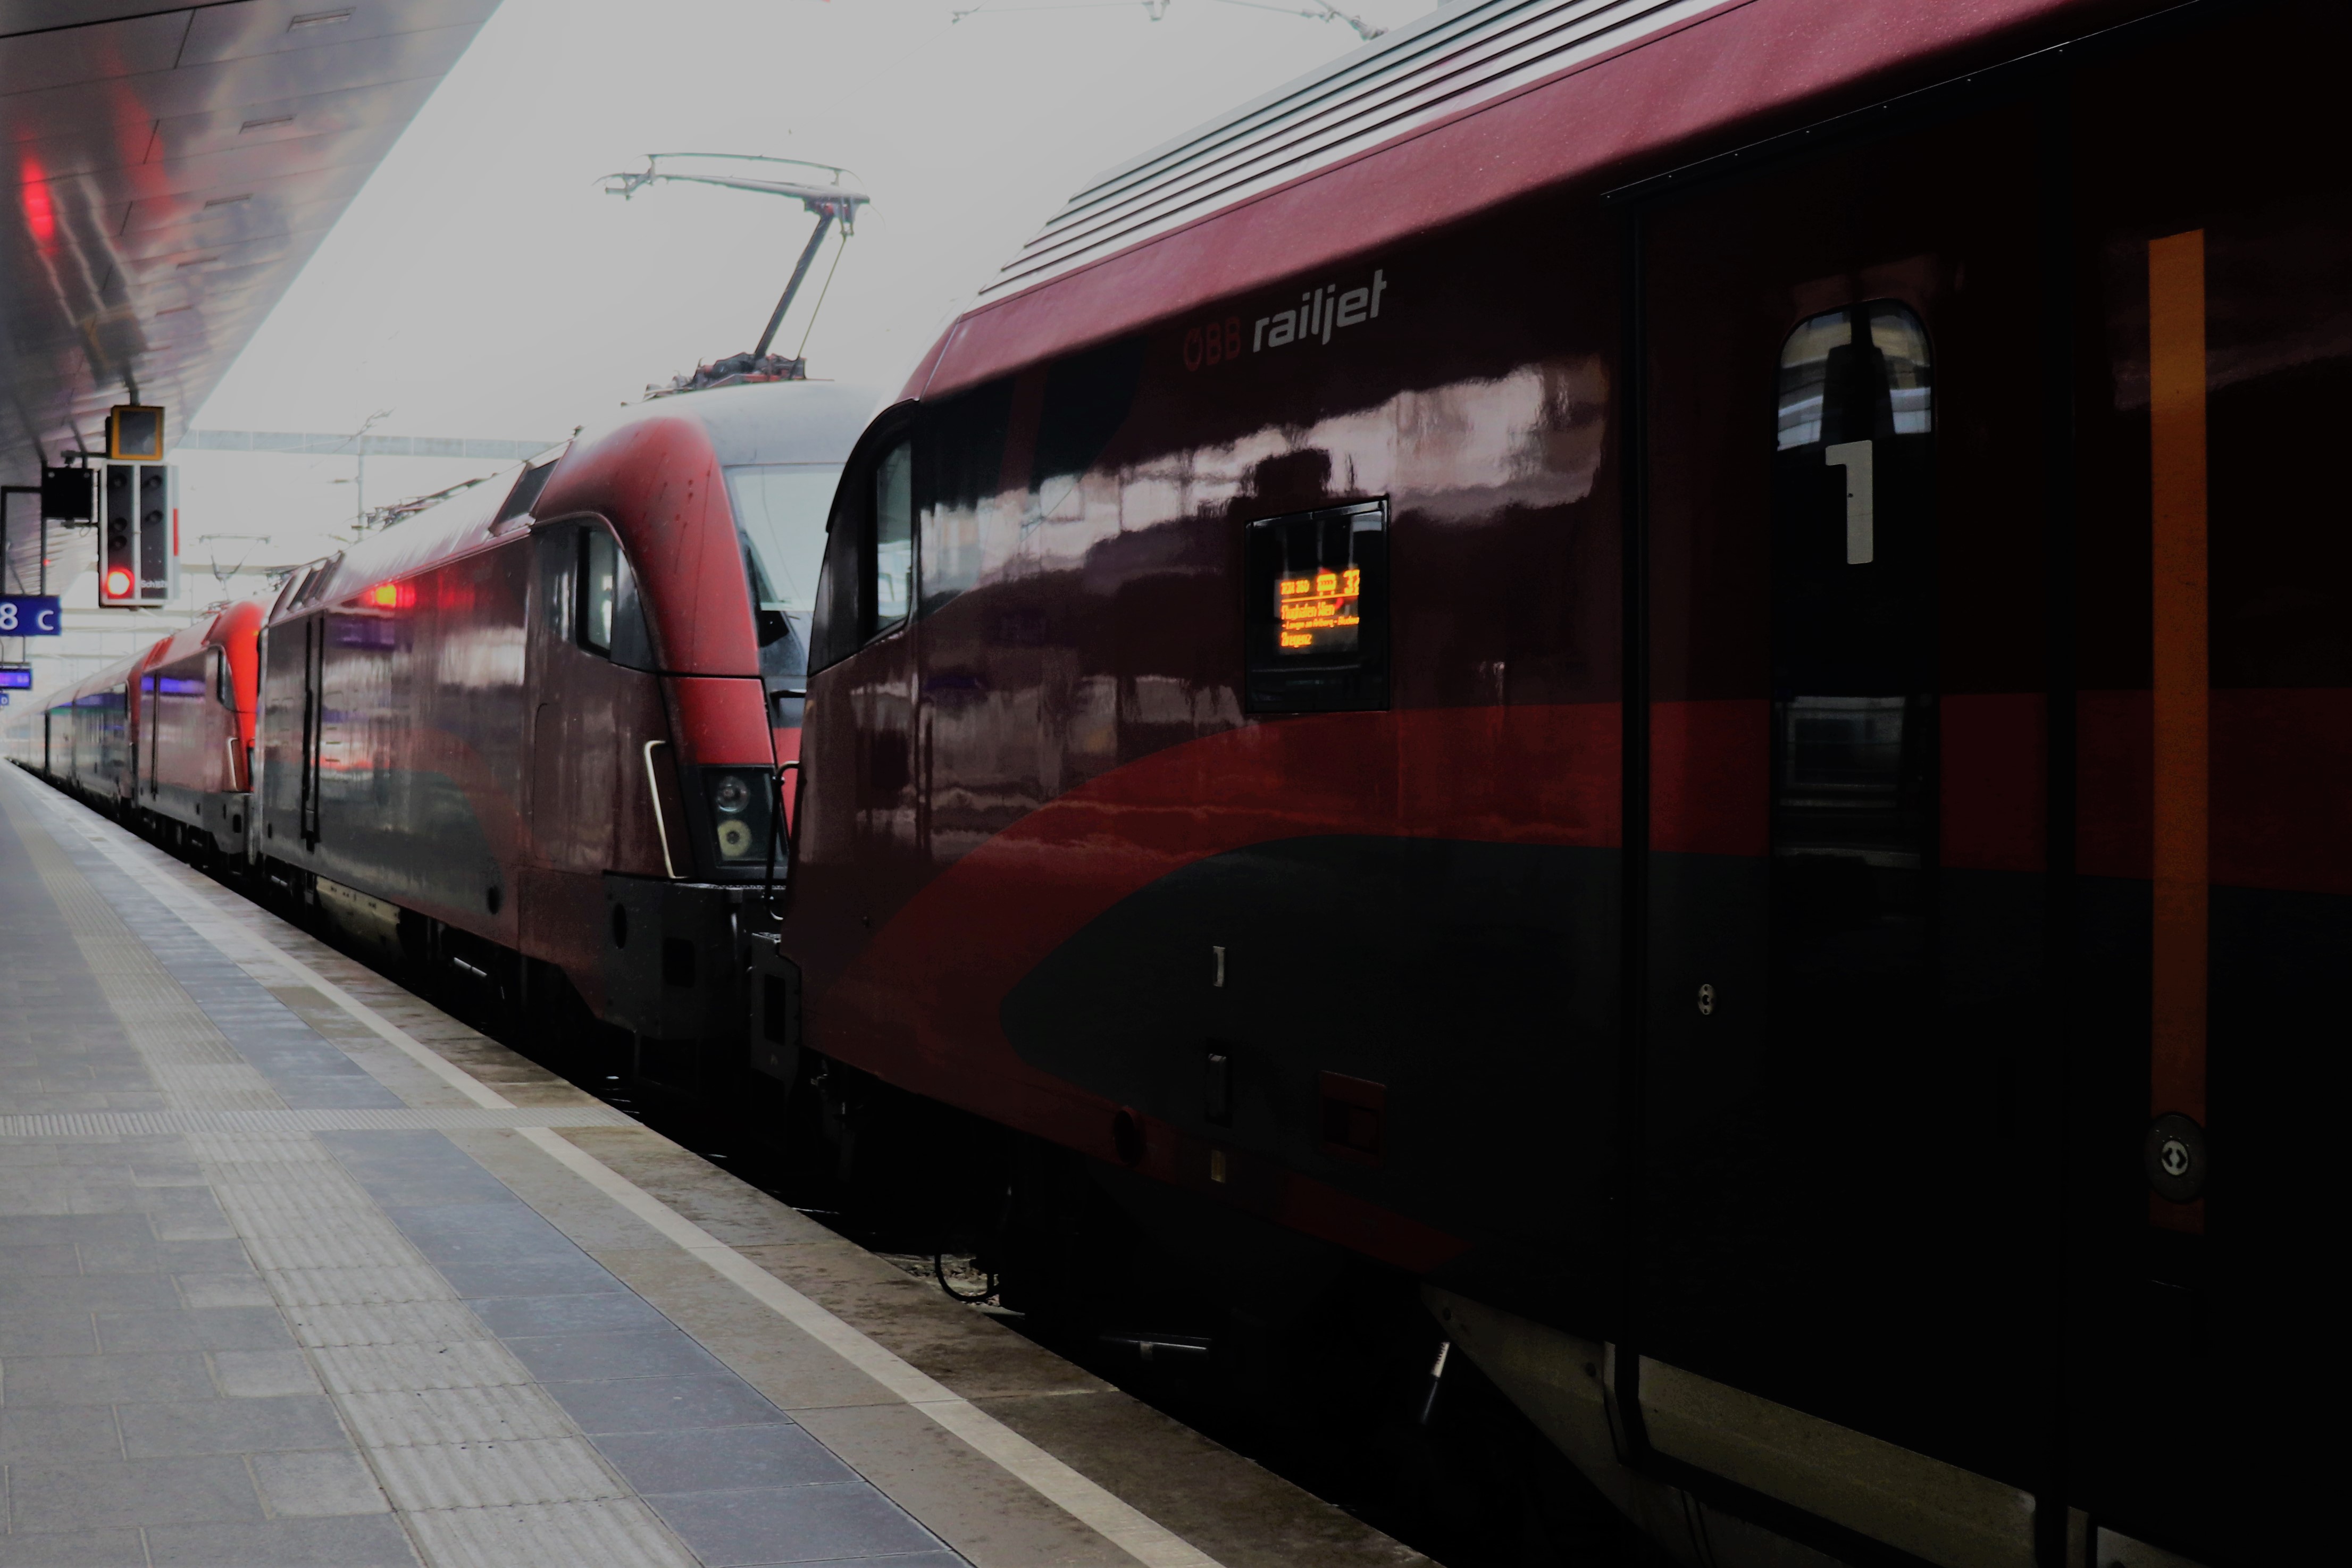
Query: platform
296	1269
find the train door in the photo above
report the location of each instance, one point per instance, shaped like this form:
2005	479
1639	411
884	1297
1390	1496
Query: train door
870	560
314	727
121	760
139	693
151	719
570	787
1842	1259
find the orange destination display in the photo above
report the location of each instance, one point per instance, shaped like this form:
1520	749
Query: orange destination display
1319	614
1317	617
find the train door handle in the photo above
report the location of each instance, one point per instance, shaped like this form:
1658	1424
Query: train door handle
776	833
661	828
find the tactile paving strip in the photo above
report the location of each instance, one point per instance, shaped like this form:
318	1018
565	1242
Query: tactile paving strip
132	1124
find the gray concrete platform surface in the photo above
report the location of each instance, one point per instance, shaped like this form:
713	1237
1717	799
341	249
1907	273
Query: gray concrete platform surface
296	1270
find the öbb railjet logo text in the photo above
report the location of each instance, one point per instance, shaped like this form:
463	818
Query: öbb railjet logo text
1320	312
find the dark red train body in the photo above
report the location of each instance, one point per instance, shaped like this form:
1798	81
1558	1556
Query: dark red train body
1700	702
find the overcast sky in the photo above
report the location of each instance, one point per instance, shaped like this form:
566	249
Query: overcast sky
482	286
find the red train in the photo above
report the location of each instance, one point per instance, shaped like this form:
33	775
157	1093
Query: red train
1668	674
166	734
530	738
534	738
1676	669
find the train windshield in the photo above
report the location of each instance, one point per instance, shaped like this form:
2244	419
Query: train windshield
780	509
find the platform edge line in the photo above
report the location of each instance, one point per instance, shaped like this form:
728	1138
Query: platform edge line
1118	1521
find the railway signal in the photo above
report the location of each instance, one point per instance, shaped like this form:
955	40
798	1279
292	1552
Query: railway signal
138	560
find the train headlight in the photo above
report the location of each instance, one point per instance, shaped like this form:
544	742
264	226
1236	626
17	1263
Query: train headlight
739	813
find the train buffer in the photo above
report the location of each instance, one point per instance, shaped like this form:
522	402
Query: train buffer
295	1268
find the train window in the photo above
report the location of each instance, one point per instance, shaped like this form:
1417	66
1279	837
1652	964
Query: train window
605	615
558	564
780	508
962	444
780	511
1854	374
525	494
223	686
1315	620
599	580
890	561
863	588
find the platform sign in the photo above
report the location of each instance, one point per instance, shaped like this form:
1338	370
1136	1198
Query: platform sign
69	495
29	615
134	433
16	677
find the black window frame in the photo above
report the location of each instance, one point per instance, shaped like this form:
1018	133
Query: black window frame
566	587
843	620
1276	683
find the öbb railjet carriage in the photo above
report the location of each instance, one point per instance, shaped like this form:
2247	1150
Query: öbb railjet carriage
1744	783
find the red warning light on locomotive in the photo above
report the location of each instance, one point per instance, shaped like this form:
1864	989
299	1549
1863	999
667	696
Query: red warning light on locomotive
390	596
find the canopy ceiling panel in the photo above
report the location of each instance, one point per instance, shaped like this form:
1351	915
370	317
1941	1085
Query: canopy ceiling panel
166	172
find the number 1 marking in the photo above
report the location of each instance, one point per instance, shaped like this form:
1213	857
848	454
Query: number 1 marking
1860	527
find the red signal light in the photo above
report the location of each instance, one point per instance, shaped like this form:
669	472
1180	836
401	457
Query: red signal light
117	583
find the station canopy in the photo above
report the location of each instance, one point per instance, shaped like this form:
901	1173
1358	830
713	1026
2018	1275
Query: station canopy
169	170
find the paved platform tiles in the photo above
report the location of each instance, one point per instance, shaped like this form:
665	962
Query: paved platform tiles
296	1270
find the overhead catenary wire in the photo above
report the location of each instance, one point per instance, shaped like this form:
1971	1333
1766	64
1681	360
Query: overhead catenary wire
814	310
1322	12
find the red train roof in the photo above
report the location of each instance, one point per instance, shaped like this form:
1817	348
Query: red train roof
786	422
1465	110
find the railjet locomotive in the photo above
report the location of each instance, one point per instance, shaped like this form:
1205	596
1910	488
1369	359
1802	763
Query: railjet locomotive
1743	786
